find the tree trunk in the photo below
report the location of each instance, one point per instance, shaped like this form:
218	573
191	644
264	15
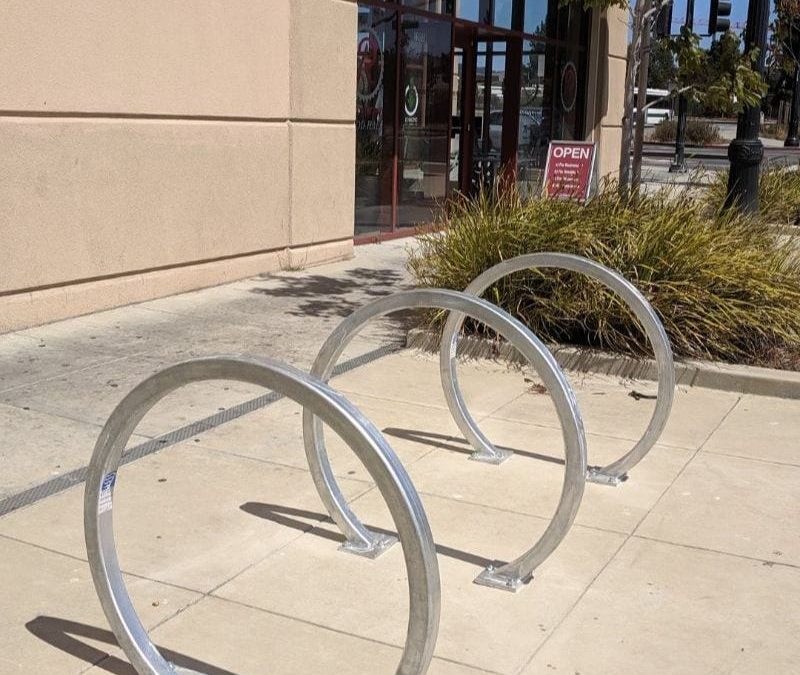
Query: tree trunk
641	113
627	116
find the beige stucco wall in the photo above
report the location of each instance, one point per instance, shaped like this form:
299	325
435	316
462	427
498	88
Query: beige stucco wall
154	147
606	86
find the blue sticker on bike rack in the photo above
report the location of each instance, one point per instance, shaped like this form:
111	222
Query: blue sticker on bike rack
104	503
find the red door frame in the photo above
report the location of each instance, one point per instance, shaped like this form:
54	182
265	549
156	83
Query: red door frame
511	96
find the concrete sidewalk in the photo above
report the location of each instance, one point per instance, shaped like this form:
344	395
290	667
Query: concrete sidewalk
59	382
691	566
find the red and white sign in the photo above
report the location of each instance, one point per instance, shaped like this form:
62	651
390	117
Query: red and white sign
569	170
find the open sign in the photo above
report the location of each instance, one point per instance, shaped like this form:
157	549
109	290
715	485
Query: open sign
569	170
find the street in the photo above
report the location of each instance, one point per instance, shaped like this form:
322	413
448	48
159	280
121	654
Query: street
658	155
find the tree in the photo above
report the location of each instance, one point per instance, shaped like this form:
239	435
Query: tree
785	39
785	43
662	65
738	83
724	79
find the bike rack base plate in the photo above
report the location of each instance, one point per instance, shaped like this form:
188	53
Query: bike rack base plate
489	577
594	475
380	544
497	457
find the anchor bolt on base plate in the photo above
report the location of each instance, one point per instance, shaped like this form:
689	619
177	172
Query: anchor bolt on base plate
380	544
497	457
595	475
490	577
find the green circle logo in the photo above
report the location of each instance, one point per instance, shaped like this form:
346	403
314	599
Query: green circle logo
412	100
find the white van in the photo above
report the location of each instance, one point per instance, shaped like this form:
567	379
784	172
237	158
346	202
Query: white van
661	111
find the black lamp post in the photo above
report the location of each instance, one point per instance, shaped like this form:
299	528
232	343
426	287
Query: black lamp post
747	151
792	140
679	162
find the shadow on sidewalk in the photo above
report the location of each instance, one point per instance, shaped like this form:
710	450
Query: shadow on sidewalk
323	295
282	515
60	634
438	440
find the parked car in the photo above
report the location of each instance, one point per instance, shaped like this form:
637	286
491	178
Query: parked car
530	128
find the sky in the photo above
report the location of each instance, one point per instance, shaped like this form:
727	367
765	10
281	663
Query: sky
738	15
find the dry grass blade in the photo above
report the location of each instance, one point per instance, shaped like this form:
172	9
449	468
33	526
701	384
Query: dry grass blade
725	287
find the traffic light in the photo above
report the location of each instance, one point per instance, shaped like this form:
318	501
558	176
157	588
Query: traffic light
719	17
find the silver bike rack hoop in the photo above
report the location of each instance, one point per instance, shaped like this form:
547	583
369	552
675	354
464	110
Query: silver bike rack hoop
359	539
364	439
611	474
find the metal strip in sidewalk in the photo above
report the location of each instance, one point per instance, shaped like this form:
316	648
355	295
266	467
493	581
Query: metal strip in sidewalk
78	476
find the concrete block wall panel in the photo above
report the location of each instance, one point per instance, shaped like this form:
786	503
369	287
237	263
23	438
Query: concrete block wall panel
615	90
82	198
182	57
618	29
323	62
610	140
323	182
147	147
606	87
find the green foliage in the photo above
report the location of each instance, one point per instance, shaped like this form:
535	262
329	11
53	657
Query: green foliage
662	71
724	288
698	132
599	4
369	152
723	79
778	193
785	34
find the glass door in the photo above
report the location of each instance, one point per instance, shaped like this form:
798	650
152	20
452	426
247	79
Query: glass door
375	120
489	107
424	113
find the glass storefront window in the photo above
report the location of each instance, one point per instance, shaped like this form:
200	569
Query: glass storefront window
375	119
456	131
472	10
567	111
438	6
489	107
503	13
570	23
540	15
425	117
534	120
450	91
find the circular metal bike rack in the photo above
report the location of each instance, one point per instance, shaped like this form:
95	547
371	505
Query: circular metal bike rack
359	539
325	404
611	474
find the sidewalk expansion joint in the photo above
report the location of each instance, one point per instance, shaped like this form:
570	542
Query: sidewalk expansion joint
78	476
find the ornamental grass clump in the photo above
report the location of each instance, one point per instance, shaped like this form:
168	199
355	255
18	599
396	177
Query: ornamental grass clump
698	132
724	287
778	193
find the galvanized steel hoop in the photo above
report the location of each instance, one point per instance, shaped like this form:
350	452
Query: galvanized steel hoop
365	440
484	450
360	539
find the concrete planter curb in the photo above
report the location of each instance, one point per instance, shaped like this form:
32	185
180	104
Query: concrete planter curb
707	374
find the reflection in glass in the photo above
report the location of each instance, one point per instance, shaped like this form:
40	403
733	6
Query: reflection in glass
439	6
471	10
503	12
534	121
456	112
538	14
425	117
432	119
375	95
570	84
489	105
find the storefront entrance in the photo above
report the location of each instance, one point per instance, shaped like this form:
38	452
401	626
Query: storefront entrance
452	93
